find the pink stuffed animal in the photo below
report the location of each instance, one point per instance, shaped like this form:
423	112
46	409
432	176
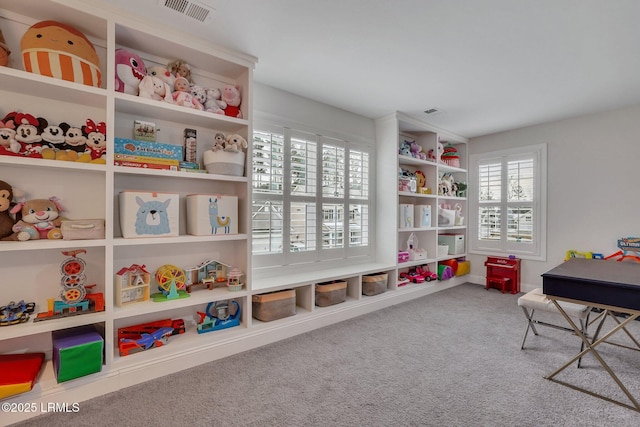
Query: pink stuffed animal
130	70
231	95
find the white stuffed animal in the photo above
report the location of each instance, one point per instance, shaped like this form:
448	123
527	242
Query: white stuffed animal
153	87
214	102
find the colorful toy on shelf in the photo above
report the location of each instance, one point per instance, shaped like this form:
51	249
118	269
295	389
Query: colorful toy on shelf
208	273
219	315
182	94
152	87
137	338
132	284
180	67
234	280
445	272
75	297
14	313
37	219
424	271
405	148
450	156
164	74
54	49
172	282
18	372
629	250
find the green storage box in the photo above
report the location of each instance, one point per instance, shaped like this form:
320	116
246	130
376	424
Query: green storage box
77	352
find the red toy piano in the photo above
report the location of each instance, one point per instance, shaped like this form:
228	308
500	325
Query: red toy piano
503	274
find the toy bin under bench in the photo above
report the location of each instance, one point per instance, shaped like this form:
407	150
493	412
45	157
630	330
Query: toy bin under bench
374	284
331	293
274	305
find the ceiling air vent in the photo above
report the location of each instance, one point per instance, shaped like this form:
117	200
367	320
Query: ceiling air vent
432	111
189	8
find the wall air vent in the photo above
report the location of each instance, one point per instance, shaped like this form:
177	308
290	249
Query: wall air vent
190	8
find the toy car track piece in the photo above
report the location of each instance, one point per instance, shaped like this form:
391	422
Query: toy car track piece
73	280
73	295
72	266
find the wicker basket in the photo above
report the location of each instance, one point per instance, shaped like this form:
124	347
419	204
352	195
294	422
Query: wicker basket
374	284
331	293
274	305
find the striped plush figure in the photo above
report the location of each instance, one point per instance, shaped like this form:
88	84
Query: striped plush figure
54	49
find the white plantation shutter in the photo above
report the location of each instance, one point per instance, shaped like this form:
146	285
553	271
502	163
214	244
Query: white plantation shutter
310	198
510	202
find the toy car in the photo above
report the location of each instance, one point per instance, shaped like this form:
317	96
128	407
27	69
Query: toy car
412	276
15	313
427	274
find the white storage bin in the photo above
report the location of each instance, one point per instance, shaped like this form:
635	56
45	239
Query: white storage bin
209	214
443	250
147	214
406	216
423	216
224	162
455	242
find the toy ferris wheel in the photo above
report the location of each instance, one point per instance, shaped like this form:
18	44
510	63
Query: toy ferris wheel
170	280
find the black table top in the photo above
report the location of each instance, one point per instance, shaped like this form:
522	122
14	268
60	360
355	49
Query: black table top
590	270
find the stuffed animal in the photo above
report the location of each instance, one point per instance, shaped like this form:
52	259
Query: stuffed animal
6	203
199	94
417	151
130	70
214	102
38	219
235	143
405	148
180	67
163	73
231	95
4	52
8	143
155	88
29	133
96	142
54	49
219	141
182	94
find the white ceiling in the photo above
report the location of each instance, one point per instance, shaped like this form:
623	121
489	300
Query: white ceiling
488	65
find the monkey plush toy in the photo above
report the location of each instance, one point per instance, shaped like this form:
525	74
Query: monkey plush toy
6	199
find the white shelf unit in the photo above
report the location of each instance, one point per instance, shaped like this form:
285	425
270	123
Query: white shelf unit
391	131
91	191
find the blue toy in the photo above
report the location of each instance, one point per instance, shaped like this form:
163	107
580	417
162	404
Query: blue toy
218	316
15	313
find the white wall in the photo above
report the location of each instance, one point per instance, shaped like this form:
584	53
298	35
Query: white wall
325	119
592	184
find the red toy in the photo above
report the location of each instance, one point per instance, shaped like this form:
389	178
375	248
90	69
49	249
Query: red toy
503	274
18	372
137	338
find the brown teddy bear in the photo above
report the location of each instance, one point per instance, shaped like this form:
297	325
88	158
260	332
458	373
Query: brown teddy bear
37	219
6	202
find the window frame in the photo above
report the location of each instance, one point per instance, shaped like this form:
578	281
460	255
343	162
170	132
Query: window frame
347	253
501	247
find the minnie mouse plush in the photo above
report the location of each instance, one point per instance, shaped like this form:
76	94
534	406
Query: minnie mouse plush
96	140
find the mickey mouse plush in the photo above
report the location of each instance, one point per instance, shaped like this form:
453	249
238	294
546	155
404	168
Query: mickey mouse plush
28	133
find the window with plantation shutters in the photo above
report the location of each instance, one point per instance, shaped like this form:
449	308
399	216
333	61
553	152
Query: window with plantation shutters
310	198
509	202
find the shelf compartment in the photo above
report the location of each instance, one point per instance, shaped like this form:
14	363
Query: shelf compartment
167	174
34	328
187	117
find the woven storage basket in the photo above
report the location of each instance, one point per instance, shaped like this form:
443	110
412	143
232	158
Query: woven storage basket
374	284
274	305
331	293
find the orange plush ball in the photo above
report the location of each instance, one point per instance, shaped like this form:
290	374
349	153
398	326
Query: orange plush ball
58	50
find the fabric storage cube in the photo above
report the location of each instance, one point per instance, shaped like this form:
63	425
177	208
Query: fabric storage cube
374	284
331	293
77	352
443	250
423	216
454	241
82	229
406	216
464	267
212	214
147	214
274	305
